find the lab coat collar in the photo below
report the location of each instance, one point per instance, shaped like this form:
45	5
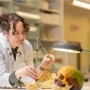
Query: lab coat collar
7	45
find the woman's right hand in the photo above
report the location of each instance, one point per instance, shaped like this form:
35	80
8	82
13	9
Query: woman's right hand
26	71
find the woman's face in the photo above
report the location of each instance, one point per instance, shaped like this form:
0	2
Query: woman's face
19	35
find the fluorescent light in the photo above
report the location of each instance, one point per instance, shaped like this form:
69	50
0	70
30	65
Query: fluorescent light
81	4
28	15
66	50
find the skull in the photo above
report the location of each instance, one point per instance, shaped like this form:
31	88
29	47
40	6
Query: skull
69	78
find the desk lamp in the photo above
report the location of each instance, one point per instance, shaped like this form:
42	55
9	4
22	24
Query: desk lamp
68	47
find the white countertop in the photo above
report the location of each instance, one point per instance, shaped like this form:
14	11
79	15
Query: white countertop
86	86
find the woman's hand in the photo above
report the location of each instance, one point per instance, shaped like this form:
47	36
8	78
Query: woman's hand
26	71
47	61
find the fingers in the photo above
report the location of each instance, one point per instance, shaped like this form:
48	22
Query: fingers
49	57
31	72
47	61
26	71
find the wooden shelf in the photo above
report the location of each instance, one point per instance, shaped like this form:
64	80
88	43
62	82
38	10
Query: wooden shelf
49	40
24	5
42	40
49	25
35	7
5	1
31	39
29	15
49	10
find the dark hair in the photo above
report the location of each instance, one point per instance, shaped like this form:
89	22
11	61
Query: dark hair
5	20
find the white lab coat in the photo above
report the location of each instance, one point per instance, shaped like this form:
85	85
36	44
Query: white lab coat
24	57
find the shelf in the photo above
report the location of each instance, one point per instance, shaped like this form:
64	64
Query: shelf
24	5
5	1
34	13
31	39
29	15
49	40
42	40
49	25
35	7
49	10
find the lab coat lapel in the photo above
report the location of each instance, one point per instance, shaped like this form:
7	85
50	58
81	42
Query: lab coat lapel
10	60
9	56
19	63
19	53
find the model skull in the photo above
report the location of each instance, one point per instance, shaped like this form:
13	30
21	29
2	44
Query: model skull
69	78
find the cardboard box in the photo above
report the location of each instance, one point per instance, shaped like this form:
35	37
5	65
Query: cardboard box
51	19
44	5
41	4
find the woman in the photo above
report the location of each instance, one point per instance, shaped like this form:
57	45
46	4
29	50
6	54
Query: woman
16	53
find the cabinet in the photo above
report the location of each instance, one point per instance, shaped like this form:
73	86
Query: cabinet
45	18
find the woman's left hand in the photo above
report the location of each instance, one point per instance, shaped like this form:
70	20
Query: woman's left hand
47	61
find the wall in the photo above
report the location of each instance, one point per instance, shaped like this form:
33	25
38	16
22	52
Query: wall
77	29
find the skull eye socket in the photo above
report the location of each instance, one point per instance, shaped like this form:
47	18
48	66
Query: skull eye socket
56	80
61	77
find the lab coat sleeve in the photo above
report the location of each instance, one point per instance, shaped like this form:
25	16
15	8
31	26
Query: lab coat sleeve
4	76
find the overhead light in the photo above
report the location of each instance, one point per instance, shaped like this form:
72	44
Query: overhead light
81	4
69	47
29	15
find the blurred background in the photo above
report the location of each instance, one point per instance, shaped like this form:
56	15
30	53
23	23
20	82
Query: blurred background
55	21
